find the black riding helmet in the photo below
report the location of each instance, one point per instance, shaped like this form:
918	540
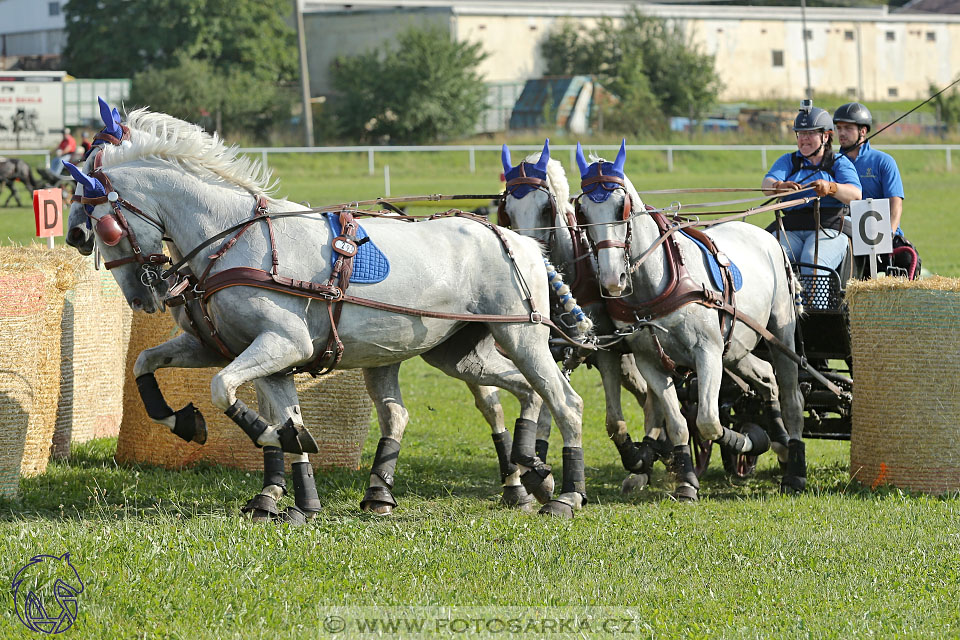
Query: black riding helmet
812	118
854	112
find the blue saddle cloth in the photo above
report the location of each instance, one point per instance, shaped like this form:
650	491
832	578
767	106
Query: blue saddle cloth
369	265
715	273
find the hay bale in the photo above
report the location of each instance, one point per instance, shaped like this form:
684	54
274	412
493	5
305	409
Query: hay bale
906	383
94	335
335	408
61	276
22	304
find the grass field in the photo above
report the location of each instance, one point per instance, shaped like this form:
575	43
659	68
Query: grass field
164	554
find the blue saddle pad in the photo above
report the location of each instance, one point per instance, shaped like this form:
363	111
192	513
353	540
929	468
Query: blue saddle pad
715	273
369	265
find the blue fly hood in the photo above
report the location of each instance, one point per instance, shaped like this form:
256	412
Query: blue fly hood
92	188
600	191
111	121
524	169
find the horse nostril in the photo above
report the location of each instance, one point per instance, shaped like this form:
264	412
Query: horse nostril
75	237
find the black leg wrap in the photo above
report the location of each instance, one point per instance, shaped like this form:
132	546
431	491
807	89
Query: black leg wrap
687	484
795	472
273	468
295	438
157	408
503	443
305	487
247	419
574	479
190	425
758	437
637	458
524	443
541	449
732	440
775	427
384	464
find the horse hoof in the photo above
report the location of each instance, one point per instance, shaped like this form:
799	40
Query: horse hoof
260	508
539	486
686	493
557	509
293	516
377	508
792	485
516	496
634	482
544	493
259	515
200	435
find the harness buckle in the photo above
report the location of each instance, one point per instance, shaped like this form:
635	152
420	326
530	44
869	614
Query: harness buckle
536	317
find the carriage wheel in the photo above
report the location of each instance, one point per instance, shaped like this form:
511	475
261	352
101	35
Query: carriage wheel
700	449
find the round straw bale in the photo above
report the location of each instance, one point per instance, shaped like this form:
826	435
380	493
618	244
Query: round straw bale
57	265
906	383
335	409
22	305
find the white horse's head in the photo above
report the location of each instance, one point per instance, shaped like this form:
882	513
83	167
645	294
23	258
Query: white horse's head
123	209
606	207
537	192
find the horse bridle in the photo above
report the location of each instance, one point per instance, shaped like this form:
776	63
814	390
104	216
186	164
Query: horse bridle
113	227
602	180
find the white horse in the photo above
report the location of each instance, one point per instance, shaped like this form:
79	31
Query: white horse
537	204
180	184
621	231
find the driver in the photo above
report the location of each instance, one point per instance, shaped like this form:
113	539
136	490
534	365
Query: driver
832	177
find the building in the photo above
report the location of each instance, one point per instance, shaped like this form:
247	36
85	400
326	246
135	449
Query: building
865	53
31	29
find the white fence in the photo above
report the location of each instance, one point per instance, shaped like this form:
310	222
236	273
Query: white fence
470	151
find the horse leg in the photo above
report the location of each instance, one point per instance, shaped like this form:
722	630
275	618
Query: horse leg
183	351
666	411
616	371
760	374
481	366
383	386
527	347
791	403
487	401
278	402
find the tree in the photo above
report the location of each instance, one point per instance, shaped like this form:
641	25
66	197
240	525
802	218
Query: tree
948	107
650	64
228	102
119	38
424	88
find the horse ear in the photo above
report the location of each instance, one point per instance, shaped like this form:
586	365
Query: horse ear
105	114
621	157
544	156
505	159
581	161
79	176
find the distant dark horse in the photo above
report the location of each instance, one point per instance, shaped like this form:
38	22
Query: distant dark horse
13	170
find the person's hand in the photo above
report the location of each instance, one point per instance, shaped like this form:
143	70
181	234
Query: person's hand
786	185
823	187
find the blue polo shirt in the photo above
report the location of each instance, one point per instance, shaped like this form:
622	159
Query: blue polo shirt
843	169
878	172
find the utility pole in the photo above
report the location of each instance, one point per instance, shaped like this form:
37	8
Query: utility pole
806	56
304	74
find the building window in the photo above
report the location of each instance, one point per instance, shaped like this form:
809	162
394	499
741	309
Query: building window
931	36
808	34
53	8
848	35
892	92
851	92
891	36
777	58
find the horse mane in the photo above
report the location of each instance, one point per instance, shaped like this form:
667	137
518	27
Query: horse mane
635	198
556	181
163	137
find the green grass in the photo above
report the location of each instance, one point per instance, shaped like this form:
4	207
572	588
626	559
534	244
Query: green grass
164	554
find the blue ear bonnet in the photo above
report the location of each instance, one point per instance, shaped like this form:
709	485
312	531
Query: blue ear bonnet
531	171
92	188
111	121
594	191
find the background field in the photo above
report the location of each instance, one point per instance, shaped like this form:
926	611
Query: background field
164	554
